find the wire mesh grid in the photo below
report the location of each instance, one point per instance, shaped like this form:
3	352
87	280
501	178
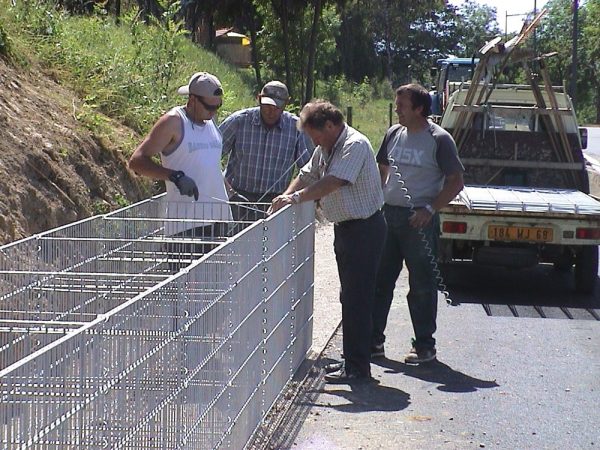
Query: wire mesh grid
114	334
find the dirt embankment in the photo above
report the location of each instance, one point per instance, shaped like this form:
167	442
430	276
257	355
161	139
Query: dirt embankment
52	170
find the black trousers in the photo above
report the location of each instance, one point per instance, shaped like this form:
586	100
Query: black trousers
358	246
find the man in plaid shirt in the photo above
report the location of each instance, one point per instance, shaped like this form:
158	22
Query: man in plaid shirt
264	145
343	174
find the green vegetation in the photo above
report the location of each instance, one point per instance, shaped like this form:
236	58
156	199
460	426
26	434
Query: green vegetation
127	65
130	72
5	43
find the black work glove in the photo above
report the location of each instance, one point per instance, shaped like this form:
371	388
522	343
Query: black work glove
237	197
186	185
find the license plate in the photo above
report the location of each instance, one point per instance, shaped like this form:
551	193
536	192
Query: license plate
526	234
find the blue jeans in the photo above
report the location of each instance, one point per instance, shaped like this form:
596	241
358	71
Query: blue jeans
404	243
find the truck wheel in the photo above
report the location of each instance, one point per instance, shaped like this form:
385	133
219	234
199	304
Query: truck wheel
586	269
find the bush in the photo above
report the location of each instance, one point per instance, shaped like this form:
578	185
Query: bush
39	18
5	43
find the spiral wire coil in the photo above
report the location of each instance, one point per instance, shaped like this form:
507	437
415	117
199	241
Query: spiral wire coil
432	258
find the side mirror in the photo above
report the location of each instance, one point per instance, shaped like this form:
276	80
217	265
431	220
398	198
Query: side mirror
583	134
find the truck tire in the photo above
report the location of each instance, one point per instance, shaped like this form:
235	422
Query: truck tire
586	269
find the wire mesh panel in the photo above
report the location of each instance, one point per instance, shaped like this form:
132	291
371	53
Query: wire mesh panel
116	333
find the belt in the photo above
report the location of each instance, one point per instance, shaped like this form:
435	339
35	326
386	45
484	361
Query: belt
352	221
387	205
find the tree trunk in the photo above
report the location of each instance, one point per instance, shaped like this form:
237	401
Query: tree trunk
191	15
312	52
388	43
286	45
117	11
250	12
210	24
150	8
597	100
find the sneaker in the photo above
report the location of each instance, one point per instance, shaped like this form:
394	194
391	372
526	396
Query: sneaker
415	356
333	367
343	377
377	351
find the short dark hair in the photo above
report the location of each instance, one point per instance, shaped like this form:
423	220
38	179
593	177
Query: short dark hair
317	112
419	96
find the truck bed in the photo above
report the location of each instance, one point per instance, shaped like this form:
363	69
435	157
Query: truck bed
508	200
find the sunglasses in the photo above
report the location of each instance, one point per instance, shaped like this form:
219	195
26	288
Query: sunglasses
207	106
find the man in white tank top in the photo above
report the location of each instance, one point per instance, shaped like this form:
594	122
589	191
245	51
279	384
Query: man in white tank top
190	145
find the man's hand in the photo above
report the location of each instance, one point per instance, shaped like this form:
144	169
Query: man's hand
186	185
279	202
420	218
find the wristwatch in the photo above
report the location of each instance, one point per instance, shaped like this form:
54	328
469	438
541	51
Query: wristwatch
296	197
176	176
430	209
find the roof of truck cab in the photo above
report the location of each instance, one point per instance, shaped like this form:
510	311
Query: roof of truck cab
459	61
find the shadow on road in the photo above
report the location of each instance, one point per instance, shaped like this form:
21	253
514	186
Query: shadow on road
449	380
541	291
369	397
281	429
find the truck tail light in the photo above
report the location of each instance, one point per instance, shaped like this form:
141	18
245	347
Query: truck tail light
454	227
587	233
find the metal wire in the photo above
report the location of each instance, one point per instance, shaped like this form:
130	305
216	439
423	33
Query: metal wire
117	334
283	174
432	257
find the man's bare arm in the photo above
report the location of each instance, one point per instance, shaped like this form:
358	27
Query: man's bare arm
296	192
453	184
321	188
163	136
294	186
384	172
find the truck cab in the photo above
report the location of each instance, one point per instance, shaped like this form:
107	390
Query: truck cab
450	73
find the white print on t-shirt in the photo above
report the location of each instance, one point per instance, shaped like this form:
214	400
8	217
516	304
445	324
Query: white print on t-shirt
195	146
411	157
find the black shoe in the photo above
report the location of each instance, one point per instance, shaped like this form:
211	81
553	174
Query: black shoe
333	367
377	351
343	377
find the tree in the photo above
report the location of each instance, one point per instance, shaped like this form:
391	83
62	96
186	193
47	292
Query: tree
432	35
357	56
312	49
590	62
475	25
272	45
392	25
554	35
150	8
288	12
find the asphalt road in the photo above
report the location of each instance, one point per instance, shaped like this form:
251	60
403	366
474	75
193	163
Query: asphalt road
593	147
518	368
539	292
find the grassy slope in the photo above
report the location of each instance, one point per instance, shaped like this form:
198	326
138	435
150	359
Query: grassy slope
131	72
